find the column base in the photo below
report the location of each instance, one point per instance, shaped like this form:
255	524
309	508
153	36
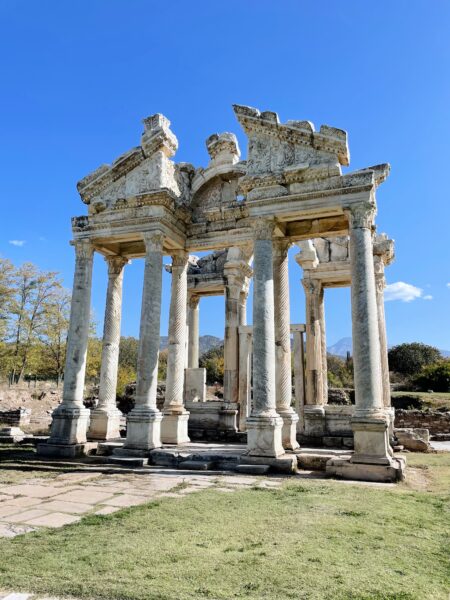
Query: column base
289	431
228	417
314	420
383	473
143	429
65	450
69	425
104	424
264	436
371	440
174	427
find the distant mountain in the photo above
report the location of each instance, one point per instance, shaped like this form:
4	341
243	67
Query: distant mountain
344	345
341	347
206	342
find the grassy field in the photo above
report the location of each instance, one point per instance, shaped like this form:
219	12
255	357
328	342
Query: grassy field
424	400
312	539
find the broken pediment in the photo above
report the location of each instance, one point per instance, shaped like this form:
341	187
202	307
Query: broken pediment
142	170
280	155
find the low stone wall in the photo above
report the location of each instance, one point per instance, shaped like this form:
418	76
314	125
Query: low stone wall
433	420
16	417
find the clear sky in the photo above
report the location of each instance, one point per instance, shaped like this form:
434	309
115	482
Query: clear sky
78	77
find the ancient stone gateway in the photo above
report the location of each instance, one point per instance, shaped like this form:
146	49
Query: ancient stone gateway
289	190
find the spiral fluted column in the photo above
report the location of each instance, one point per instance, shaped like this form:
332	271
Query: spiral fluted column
283	367
144	421
174	428
105	418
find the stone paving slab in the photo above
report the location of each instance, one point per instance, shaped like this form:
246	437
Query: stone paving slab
66	498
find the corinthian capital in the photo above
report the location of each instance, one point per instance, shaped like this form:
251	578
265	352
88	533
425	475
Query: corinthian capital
115	264
281	248
361	216
83	249
264	228
180	258
153	241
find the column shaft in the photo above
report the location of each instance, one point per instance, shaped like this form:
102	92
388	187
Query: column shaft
144	421
193	328
264	425
105	418
70	418
283	367
323	347
174	425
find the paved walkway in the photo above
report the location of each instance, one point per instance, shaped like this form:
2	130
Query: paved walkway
66	498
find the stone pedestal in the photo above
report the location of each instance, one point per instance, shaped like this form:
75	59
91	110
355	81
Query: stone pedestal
143	429
314	421
195	385
264	436
174	427
144	421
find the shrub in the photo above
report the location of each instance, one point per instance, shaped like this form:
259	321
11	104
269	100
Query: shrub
213	362
409	359
435	377
340	371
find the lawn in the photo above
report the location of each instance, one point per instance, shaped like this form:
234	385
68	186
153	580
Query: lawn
314	539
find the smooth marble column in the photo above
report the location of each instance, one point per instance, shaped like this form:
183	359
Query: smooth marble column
299	373
370	423
69	419
233	288
314	412
174	428
245	347
105	418
144	421
283	367
193	329
323	347
264	426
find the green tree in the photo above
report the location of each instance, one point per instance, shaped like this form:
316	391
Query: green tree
213	362
339	371
34	292
409	359
6	293
435	377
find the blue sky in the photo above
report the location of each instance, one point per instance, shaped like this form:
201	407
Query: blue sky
78	77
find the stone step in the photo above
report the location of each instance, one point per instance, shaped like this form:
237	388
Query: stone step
107	448
128	461
196	465
252	469
313	461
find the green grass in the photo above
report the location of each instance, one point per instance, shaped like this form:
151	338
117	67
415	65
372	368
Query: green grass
423	400
311	539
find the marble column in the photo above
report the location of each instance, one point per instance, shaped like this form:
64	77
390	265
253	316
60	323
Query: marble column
245	348
370	423
233	286
323	347
283	367
144	421
243	305
174	429
380	284
105	418
314	412
299	373
69	419
193	331
264	426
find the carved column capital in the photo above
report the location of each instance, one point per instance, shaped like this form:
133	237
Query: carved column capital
193	302
281	248
312	286
115	264
361	216
153	241
264	228
83	248
180	258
